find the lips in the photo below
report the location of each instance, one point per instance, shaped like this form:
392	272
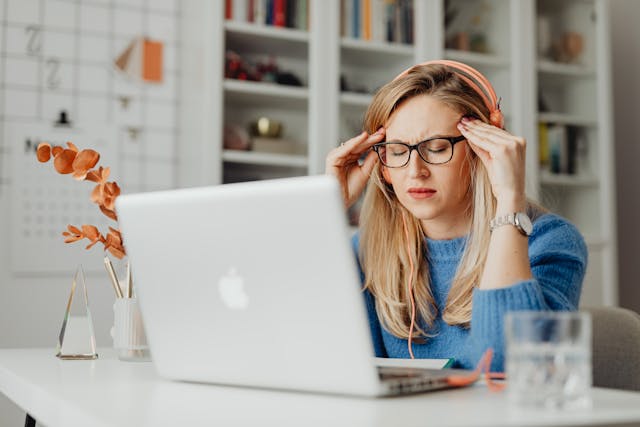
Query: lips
421	193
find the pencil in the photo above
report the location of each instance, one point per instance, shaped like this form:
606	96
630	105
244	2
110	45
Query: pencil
113	277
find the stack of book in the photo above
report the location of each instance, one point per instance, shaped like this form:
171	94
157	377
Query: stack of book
378	20
561	148
278	13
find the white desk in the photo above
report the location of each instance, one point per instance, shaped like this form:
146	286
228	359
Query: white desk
108	392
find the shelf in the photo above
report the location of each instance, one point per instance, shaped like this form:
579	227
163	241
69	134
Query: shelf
476	59
566	119
353	99
266	93
397	49
269	159
269	31
568	70
548	178
263	39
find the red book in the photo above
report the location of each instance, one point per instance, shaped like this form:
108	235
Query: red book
228	9
279	15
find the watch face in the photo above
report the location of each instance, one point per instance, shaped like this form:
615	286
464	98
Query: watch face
525	223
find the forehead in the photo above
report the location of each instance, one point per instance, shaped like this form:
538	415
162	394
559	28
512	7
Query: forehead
422	117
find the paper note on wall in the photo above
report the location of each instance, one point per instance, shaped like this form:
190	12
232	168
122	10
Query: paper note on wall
142	59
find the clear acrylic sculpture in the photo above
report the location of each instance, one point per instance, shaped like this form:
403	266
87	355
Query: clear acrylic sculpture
77	340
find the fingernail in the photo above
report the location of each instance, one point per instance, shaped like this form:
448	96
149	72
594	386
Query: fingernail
465	120
380	131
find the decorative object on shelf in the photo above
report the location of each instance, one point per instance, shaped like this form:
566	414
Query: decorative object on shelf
79	164
277	145
237	68
266	127
235	137
77	340
142	60
468	22
568	48
543	31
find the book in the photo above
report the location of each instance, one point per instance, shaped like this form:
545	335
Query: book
277	145
414	363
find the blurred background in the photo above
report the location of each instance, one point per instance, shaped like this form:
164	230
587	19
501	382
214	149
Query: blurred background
203	92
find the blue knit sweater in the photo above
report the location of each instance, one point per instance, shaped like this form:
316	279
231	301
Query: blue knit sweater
558	257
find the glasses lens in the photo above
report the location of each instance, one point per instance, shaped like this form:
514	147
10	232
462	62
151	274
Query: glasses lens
436	151
393	155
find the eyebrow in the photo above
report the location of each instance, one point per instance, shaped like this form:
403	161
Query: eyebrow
439	135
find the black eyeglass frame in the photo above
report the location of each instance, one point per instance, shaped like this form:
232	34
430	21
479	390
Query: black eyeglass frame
453	140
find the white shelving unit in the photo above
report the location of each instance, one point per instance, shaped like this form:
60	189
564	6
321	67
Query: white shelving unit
577	93
320	114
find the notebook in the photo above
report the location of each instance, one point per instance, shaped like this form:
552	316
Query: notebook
255	284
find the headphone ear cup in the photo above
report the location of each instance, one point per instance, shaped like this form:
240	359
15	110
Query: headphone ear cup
497	119
386	175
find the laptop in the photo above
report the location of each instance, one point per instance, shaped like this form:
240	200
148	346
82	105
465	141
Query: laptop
255	284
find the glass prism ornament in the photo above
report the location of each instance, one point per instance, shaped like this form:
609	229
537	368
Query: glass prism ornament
77	340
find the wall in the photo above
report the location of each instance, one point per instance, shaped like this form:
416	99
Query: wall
55	55
626	81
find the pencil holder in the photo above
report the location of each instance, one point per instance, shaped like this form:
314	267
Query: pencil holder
129	338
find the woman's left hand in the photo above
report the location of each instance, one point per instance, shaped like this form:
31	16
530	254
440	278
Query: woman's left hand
504	157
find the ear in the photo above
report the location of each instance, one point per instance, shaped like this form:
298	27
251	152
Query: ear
386	175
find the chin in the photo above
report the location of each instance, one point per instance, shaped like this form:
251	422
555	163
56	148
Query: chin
424	212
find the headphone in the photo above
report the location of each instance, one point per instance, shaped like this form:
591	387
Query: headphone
481	85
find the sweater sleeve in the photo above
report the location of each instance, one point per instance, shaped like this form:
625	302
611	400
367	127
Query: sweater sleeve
372	315
558	257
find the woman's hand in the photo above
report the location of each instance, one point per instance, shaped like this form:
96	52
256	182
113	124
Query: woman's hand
504	157
342	162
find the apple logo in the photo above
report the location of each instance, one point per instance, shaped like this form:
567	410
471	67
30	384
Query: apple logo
231	288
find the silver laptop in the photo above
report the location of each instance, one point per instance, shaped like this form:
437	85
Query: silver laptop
255	284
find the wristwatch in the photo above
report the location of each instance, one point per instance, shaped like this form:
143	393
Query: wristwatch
519	220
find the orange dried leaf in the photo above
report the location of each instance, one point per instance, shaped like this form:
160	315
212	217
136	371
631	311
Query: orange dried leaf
117	252
56	150
91	232
94	175
84	161
109	213
43	152
63	161
72	146
74	230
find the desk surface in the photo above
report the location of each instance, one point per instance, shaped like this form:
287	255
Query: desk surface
109	392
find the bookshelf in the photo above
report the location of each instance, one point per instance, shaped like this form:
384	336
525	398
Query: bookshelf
340	69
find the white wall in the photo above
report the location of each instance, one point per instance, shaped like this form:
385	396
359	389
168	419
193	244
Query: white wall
625	37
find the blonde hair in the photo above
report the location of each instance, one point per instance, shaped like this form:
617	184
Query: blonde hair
383	246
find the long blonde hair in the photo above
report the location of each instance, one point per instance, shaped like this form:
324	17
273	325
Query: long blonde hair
383	245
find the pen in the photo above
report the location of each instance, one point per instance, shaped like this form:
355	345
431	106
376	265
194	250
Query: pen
112	276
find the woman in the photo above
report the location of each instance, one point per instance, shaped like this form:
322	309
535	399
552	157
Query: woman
448	242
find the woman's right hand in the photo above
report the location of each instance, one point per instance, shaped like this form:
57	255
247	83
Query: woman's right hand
342	162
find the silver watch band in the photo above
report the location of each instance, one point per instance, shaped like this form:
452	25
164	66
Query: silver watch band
508	219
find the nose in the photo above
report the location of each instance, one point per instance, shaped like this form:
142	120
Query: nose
417	167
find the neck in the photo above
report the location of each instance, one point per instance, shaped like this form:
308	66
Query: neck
446	229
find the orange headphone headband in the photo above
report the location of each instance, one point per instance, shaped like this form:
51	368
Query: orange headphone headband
476	80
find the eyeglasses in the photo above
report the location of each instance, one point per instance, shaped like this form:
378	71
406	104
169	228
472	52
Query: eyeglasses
435	151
